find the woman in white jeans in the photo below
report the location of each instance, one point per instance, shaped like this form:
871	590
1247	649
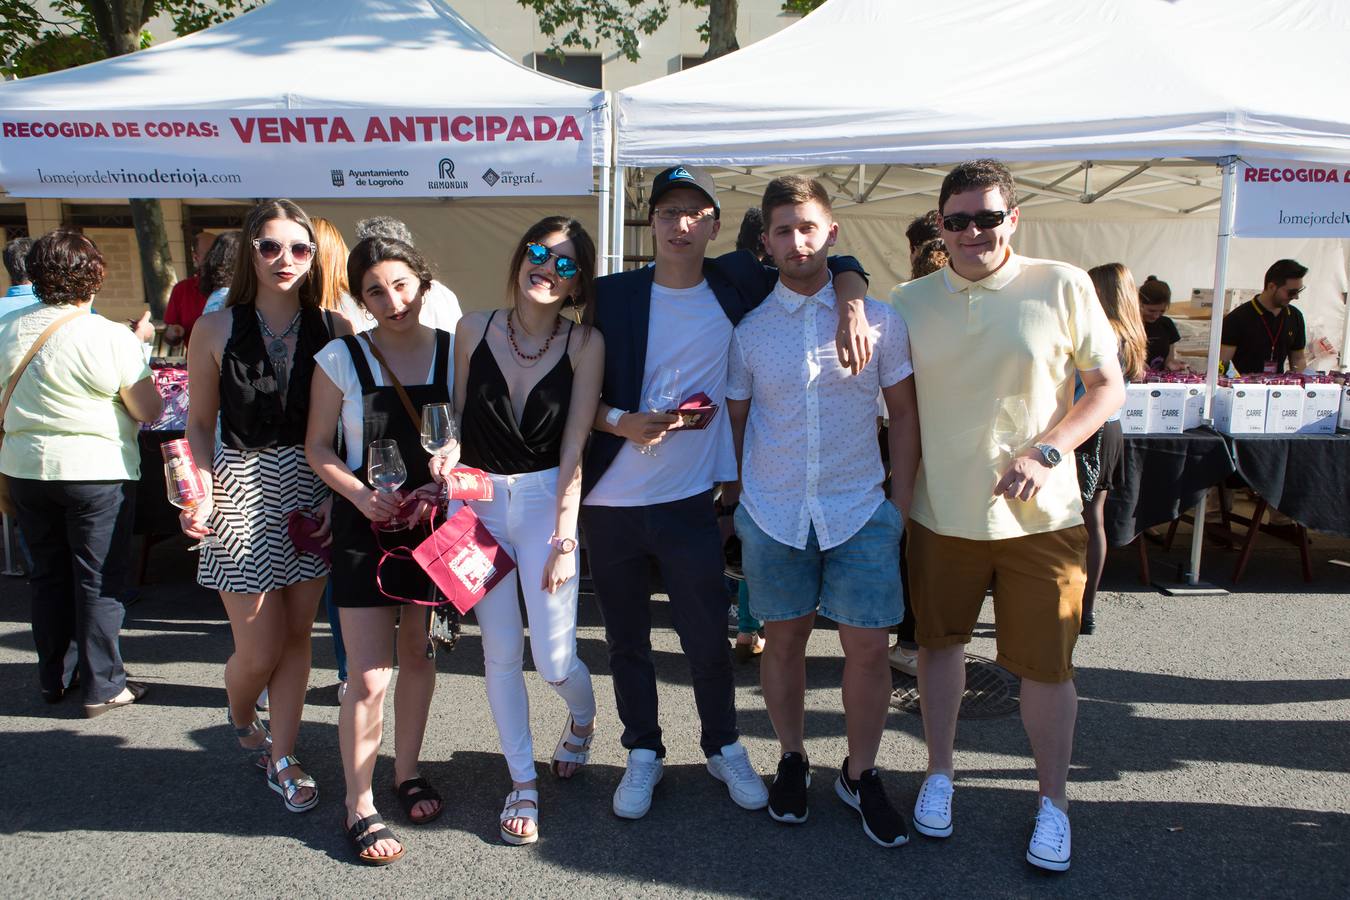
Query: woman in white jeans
527	382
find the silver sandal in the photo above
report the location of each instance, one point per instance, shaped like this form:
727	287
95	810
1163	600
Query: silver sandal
261	755
289	787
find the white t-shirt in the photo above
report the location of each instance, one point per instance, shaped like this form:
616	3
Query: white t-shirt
688	331
440	309
336	363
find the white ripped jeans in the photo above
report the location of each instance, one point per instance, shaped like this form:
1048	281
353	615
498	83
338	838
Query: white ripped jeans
521	516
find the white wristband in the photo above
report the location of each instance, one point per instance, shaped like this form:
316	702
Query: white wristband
614	415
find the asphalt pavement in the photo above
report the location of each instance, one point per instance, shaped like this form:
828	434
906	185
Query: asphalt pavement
1212	760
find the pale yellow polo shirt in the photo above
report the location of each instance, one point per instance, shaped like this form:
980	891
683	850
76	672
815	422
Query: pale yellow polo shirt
66	420
983	352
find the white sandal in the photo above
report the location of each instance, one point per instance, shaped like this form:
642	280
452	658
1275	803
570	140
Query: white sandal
513	810
562	755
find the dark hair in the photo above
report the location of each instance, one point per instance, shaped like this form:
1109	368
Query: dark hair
372	251
585	256
978	175
931	257
1154	292
1284	270
244	284
15	263
923	229
65	267
219	262
790	190
752	231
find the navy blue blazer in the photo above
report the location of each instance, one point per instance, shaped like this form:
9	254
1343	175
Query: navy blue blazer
623	305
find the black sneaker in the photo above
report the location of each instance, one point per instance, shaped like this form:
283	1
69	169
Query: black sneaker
787	794
880	821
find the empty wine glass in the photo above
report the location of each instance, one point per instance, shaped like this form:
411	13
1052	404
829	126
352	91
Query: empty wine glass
662	395
1011	428
384	467
440	436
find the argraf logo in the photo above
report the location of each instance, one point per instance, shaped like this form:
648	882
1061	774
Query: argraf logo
491	177
446	171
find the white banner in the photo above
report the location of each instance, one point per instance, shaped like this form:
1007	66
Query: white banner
296	153
1292	199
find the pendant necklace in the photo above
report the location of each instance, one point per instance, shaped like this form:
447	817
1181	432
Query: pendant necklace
276	349
529	360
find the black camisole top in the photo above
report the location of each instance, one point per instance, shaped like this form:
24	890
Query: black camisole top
493	440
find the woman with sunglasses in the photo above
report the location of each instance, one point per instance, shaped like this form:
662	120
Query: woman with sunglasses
527	385
250	366
365	386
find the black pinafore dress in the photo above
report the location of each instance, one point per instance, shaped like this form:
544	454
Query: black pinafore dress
356	550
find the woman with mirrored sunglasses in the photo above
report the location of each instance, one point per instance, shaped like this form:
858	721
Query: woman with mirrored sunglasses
249	366
527	383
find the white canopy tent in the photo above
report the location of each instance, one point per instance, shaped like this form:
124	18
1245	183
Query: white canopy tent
887	83
317	55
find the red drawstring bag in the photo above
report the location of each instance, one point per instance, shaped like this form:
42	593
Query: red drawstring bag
461	557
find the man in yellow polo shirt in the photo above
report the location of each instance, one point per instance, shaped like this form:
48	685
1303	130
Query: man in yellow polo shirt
996	340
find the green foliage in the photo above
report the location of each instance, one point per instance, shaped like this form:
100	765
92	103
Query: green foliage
33	44
800	7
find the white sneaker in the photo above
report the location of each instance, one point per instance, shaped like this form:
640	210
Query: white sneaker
633	796
903	660
933	808
1049	847
732	768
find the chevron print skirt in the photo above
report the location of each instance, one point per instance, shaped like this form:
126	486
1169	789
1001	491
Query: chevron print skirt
254	494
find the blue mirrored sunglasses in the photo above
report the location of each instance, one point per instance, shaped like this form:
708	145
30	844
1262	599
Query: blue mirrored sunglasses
538	254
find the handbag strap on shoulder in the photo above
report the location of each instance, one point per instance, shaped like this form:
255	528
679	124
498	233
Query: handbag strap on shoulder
28	357
393	380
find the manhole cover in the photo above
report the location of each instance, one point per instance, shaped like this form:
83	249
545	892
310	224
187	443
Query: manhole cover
991	690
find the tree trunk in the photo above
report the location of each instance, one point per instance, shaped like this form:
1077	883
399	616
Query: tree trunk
721	28
157	272
119	24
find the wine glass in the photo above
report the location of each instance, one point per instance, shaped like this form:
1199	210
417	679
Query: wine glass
1011	429
185	490
663	394
384	468
440	435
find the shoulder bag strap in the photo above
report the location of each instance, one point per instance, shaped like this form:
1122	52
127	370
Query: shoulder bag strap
393	380
28	357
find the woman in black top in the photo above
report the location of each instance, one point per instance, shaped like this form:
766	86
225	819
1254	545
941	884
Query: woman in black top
527	383
249	365
1154	298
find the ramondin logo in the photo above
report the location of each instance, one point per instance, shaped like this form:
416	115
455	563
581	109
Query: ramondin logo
491	177
445	177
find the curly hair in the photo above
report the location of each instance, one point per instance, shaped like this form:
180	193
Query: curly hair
65	267
218	264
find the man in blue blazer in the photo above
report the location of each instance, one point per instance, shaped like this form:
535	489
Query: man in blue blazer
647	484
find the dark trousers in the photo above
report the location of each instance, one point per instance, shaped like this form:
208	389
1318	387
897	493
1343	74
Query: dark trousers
682	537
79	533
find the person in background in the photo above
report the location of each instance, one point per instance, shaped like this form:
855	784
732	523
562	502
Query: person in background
440	306
20	293
1100	460
250	369
217	270
931	256
1161	352
359	388
333	255
920	234
1267	332
527	430
72	460
996	339
187	300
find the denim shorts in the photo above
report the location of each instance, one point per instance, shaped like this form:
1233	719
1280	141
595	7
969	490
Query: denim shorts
856	583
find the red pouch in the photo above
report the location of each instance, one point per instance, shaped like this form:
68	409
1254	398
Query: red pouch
696	412
463	559
301	526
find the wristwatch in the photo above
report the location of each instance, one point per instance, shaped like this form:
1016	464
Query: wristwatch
562	545
1050	454
614	415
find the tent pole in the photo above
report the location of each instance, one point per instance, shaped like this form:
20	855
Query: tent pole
602	190
1226	214
617	216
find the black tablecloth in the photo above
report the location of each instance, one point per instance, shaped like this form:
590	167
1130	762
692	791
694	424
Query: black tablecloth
155	515
1304	476
1165	474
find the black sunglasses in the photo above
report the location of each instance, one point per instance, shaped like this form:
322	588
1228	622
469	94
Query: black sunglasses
270	249
985	219
538	254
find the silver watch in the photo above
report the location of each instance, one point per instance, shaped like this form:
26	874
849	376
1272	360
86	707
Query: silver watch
1051	455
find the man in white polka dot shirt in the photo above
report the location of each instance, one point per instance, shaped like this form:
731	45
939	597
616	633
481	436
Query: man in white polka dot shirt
818	534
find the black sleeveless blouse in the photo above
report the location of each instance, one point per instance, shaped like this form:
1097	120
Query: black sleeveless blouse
492	438
252	415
